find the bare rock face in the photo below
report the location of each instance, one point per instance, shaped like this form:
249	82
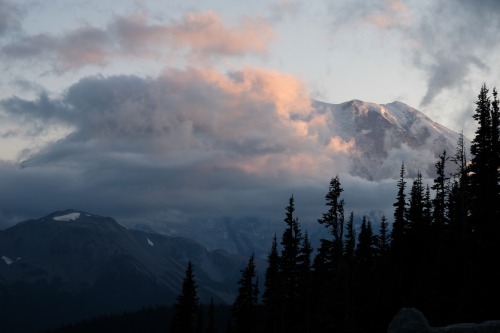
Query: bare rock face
409	320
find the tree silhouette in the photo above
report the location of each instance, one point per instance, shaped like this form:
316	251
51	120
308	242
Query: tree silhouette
440	189
186	307
333	219
245	309
399	225
484	172
272	296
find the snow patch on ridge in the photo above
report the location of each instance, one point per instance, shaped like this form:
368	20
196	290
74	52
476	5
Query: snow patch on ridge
150	242
67	217
7	260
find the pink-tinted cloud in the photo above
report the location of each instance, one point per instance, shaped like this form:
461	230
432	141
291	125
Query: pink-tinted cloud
199	36
393	14
336	144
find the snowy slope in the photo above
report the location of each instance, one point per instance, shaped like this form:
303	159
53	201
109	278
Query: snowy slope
385	135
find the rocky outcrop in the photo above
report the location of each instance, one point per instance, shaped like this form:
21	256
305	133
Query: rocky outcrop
411	320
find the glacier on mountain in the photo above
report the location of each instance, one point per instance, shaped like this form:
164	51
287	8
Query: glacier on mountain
68	217
7	260
382	136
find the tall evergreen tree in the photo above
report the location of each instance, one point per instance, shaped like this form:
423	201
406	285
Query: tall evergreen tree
495	151
290	253
350	238
245	309
305	288
304	262
365	248
272	297
383	239
333	219
290	268
427	207
440	190
484	172
186	307
399	225
415	221
458	199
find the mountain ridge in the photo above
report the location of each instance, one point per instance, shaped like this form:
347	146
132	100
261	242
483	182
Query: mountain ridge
87	265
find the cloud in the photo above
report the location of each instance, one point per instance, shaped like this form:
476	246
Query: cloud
188	145
155	144
447	50
199	35
385	14
10	17
283	8
450	50
454	45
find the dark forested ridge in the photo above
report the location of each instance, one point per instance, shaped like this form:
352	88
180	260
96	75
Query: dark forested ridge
440	256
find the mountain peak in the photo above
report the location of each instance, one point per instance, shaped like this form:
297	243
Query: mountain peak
70	215
382	136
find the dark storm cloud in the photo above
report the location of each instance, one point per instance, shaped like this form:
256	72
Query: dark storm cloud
190	142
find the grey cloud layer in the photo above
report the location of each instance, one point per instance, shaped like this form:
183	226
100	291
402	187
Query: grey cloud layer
199	36
10	17
188	143
178	142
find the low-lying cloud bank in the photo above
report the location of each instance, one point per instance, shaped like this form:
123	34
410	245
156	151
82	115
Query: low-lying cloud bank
188	144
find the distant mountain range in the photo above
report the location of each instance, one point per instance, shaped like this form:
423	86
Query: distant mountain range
71	265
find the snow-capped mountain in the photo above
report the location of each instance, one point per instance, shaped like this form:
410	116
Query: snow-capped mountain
71	265
382	136
376	139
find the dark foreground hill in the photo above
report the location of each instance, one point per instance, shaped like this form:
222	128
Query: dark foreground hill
71	265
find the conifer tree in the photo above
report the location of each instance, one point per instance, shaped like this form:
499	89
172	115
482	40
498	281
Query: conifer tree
290	265
415	212
458	200
350	238
333	219
364	250
289	260
304	262
440	189
305	288
245	309
383	240
186	307
495	153
399	225
484	174
428	207
272	296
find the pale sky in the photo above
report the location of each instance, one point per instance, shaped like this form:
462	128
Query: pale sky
102	98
